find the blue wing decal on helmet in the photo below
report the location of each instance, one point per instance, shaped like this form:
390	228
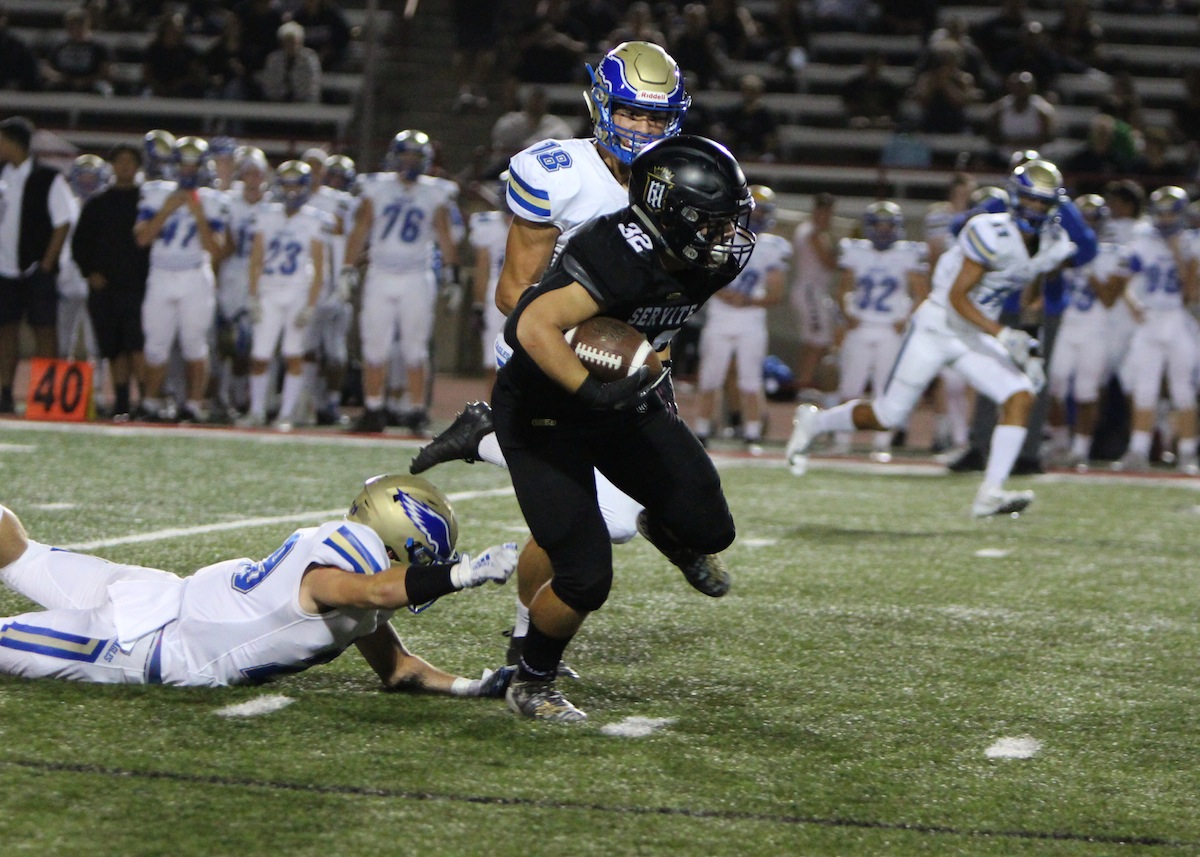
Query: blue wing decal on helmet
433	526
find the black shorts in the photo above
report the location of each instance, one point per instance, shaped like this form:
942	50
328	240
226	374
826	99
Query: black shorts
117	319
32	298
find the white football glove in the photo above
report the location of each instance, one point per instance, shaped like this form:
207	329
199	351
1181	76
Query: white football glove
1053	252
348	282
254	309
1017	343
304	317
452	294
1035	371
496	564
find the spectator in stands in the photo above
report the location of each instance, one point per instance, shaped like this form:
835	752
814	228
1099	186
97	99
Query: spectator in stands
227	77
1155	164
79	63
476	34
1122	101
638	25
944	91
115	268
519	129
972	59
1109	151
36	213
597	18
731	22
1033	53
786	36
907	17
293	72
1020	120
998	33
18	62
1077	35
261	20
698	50
841	15
748	127
326	30
1185	116
171	67
871	100
548	49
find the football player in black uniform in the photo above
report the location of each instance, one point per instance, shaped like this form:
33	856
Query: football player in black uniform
652	265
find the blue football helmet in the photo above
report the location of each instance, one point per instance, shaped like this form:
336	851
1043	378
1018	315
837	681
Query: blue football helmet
339	172
1035	191
779	381
762	219
639	76
89	175
414	518
1168	207
189	159
410	154
883	224
293	184
157	147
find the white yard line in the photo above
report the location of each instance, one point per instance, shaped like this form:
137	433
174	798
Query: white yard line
636	727
300	436
1014	748
256	707
246	523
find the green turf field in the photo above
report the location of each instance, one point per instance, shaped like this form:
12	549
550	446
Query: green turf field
841	700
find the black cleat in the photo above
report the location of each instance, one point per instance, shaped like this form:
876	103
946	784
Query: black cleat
705	572
460	442
970	461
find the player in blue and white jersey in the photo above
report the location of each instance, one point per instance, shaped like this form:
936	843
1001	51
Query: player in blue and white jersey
1163	283
735	325
245	621
882	277
402	215
1079	365
185	225
956	326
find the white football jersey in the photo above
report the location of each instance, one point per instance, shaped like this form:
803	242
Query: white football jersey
771	253
402	236
178	246
881	294
240	621
1082	306
995	242
937	224
1155	281
287	244
564	183
241	229
488	230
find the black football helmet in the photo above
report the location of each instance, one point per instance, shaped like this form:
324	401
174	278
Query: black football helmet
692	195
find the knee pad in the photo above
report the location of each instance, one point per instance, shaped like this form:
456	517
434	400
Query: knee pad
585	593
889	414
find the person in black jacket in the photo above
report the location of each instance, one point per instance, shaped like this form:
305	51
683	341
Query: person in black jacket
115	268
651	265
36	212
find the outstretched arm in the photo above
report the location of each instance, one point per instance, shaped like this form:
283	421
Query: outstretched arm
401	670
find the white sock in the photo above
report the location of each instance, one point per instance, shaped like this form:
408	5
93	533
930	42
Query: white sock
882	442
373	403
840	418
490	451
752	430
521	625
1139	443
842	440
1081	445
1058	436
293	386
1187	447
1005	447
703	427
258	394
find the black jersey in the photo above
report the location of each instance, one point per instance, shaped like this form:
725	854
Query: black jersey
616	261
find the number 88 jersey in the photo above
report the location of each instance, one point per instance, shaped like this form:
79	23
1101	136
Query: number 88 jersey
402	236
880	294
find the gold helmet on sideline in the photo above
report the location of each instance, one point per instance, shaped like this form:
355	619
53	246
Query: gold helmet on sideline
412	516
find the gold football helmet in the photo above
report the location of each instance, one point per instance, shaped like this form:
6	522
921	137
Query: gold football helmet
1093	208
763	216
412	516
1035	190
157	147
637	76
1168	209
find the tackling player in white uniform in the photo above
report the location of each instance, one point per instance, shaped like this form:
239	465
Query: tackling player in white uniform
326	353
956	326
242	622
1079	364
185	226
233	325
735	324
287	271
882	278
1162	285
402	214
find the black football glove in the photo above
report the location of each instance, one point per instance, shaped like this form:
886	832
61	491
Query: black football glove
622	395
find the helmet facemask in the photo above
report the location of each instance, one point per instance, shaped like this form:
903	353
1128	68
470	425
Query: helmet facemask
1034	193
883	224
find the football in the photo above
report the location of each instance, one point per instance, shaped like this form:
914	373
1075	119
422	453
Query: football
612	349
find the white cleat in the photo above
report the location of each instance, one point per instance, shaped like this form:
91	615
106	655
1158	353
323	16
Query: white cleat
996	501
803	427
1132	462
1188	465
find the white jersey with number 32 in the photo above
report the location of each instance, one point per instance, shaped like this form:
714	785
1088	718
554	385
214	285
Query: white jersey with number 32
881	294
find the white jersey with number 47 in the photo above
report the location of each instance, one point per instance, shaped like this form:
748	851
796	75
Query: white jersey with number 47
403	236
178	246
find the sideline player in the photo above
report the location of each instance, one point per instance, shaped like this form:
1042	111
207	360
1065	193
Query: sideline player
242	621
403	213
956	326
735	325
488	233
185	225
882	277
683	236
